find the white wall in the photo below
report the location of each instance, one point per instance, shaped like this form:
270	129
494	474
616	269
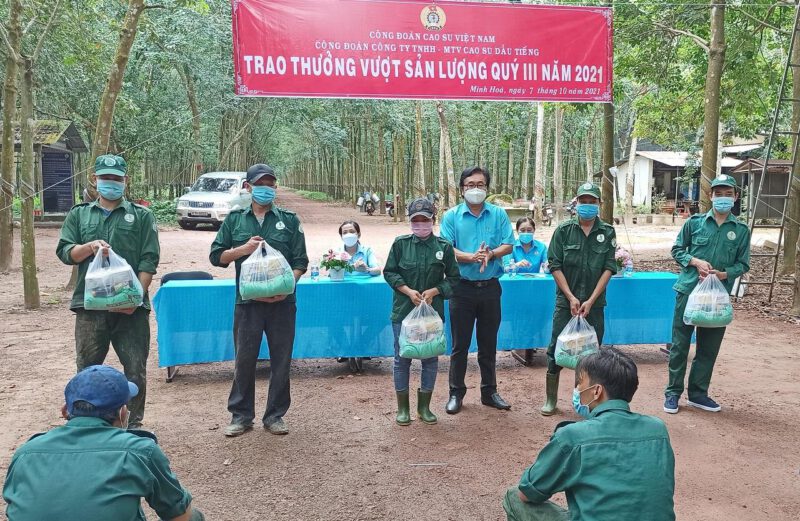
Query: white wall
643	173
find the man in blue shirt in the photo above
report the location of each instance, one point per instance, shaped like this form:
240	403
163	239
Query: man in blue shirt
481	235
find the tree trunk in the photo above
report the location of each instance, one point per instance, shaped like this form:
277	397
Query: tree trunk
792	229
496	142
538	169
630	180
7	166
28	192
197	157
526	160
558	174
716	60
105	117
607	188
796	297
418	184
451	197
510	176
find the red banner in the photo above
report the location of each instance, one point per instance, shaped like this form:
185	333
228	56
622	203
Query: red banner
422	50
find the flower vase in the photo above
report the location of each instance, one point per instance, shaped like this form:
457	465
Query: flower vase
620	272
336	274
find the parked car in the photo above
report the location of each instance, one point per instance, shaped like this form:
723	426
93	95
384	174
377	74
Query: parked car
211	198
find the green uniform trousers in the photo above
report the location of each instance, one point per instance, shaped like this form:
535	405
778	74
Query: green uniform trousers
709	340
130	336
517	510
562	316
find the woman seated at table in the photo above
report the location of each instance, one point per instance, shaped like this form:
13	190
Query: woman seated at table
362	258
528	254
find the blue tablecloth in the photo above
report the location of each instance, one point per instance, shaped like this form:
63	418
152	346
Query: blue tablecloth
351	318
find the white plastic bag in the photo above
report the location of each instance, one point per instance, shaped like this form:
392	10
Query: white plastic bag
111	283
265	273
422	333
577	340
709	305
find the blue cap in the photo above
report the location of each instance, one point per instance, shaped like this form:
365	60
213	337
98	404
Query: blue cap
102	386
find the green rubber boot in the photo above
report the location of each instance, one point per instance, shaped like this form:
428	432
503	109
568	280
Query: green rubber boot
403	409
424	407
551	388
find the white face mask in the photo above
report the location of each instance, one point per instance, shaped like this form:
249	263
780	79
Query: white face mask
475	195
350	239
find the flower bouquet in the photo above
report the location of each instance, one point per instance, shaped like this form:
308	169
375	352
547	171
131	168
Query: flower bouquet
336	264
624	260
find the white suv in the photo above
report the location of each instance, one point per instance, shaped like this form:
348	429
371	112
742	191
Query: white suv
211	199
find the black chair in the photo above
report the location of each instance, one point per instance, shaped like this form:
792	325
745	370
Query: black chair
182	275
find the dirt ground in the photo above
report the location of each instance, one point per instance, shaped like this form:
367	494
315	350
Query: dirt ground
345	459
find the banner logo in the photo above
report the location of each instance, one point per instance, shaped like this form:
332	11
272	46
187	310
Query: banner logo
432	18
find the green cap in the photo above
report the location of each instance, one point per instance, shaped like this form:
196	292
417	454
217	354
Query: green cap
589	189
110	164
724	180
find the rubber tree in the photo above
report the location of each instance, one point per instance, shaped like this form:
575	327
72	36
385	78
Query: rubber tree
792	227
716	61
538	169
607	186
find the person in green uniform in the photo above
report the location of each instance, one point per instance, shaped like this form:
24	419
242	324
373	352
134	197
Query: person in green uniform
581	259
130	230
93	468
420	267
241	234
709	243
616	464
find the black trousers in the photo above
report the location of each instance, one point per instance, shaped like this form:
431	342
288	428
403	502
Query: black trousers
250	322
474	306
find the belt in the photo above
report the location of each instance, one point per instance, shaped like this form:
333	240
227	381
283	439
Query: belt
479	283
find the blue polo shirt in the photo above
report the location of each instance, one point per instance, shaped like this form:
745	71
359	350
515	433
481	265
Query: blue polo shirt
466	232
365	254
536	256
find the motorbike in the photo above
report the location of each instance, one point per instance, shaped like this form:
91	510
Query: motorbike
369	207
390	207
547	215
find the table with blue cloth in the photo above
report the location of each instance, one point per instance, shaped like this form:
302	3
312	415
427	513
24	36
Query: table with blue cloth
351	318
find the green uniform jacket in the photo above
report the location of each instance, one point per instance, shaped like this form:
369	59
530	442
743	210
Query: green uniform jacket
281	229
420	264
92	471
130	230
582	259
726	247
614	465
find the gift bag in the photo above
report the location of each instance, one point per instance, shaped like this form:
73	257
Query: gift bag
110	283
422	333
265	273
709	305
577	340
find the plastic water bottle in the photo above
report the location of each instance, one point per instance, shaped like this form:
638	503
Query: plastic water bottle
314	272
513	268
628	270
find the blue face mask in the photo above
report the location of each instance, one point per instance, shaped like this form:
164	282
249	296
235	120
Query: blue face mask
581	409
110	190
526	238
263	195
722	204
588	211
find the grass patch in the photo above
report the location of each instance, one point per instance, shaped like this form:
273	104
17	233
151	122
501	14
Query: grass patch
314	196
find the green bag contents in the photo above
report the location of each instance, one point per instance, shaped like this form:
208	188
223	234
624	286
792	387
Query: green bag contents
709	305
265	274
111	283
422	333
577	340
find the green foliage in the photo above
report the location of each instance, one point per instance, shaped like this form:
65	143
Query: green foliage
164	211
314	196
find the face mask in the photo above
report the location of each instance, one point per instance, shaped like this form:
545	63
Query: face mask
422	229
526	238
263	195
110	190
581	409
722	204
475	195
350	239
588	211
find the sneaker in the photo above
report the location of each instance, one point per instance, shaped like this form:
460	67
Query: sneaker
705	403
671	404
278	427
237	429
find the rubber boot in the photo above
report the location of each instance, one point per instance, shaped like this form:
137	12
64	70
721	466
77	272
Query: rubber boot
403	409
424	407
551	388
